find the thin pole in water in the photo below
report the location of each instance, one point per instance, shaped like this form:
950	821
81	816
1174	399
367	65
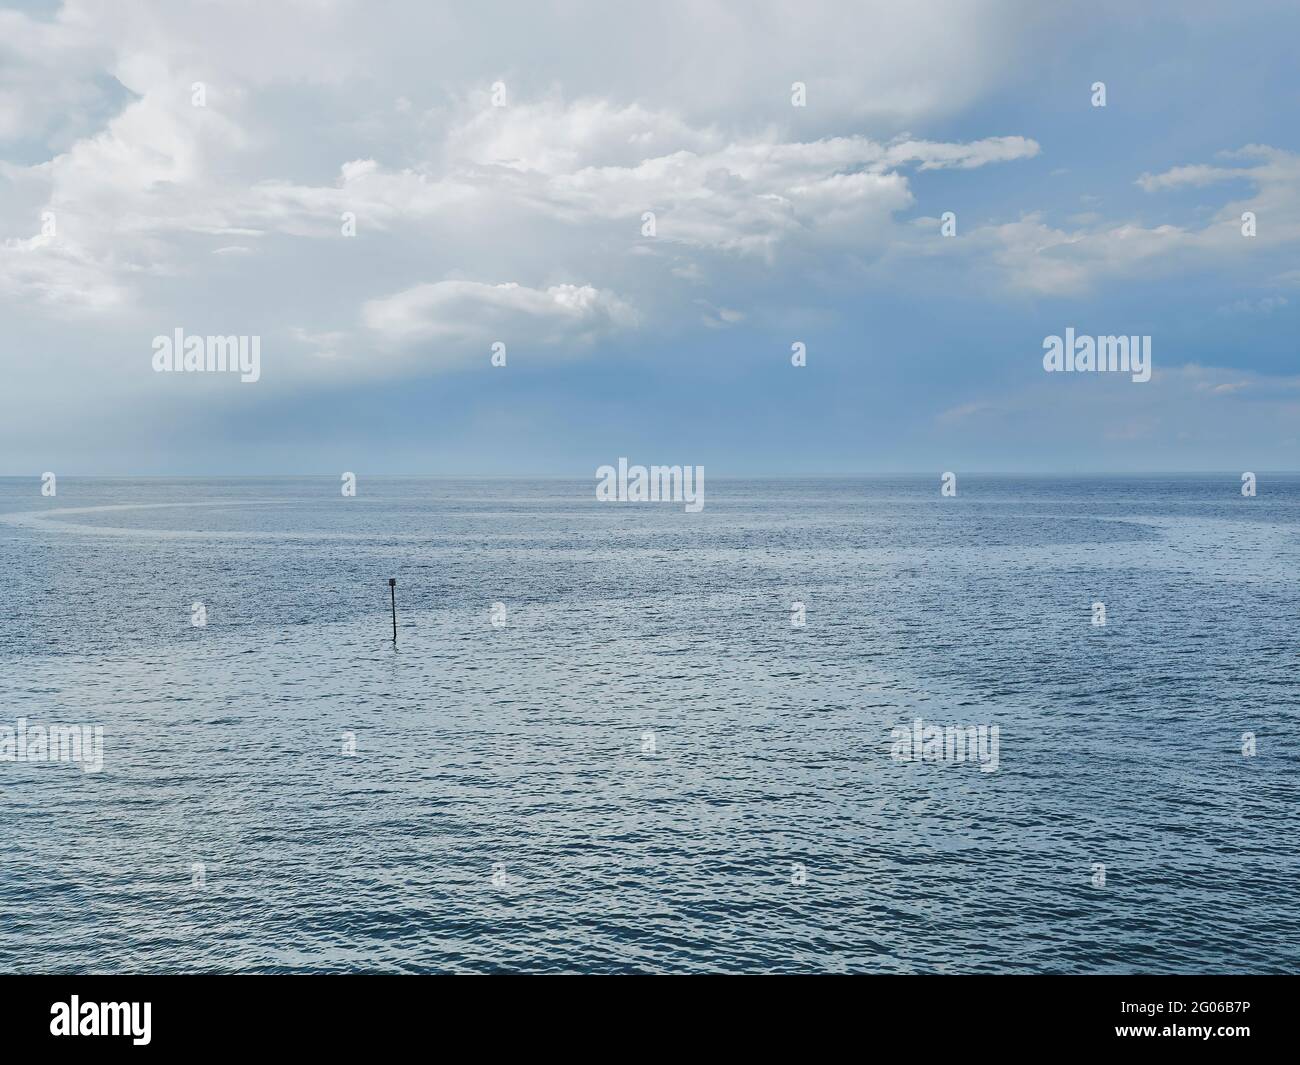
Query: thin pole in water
392	590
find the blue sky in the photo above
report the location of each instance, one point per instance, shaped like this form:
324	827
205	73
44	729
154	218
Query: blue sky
522	223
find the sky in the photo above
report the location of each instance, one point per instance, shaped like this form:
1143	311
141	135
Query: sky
381	192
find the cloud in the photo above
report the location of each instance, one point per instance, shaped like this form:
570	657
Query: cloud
524	223
447	319
307	118
1255	305
53	77
165	178
964	411
590	161
60	275
1033	255
1194	176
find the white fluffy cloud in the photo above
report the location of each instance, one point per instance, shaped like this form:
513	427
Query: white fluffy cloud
167	190
521	223
452	315
1032	254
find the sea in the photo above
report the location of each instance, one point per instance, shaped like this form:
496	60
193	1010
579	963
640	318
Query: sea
622	737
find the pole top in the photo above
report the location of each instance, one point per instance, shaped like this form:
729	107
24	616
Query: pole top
392	582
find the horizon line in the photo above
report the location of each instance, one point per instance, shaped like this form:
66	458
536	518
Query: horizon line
579	477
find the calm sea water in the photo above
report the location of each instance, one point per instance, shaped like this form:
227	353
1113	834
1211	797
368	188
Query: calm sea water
503	810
